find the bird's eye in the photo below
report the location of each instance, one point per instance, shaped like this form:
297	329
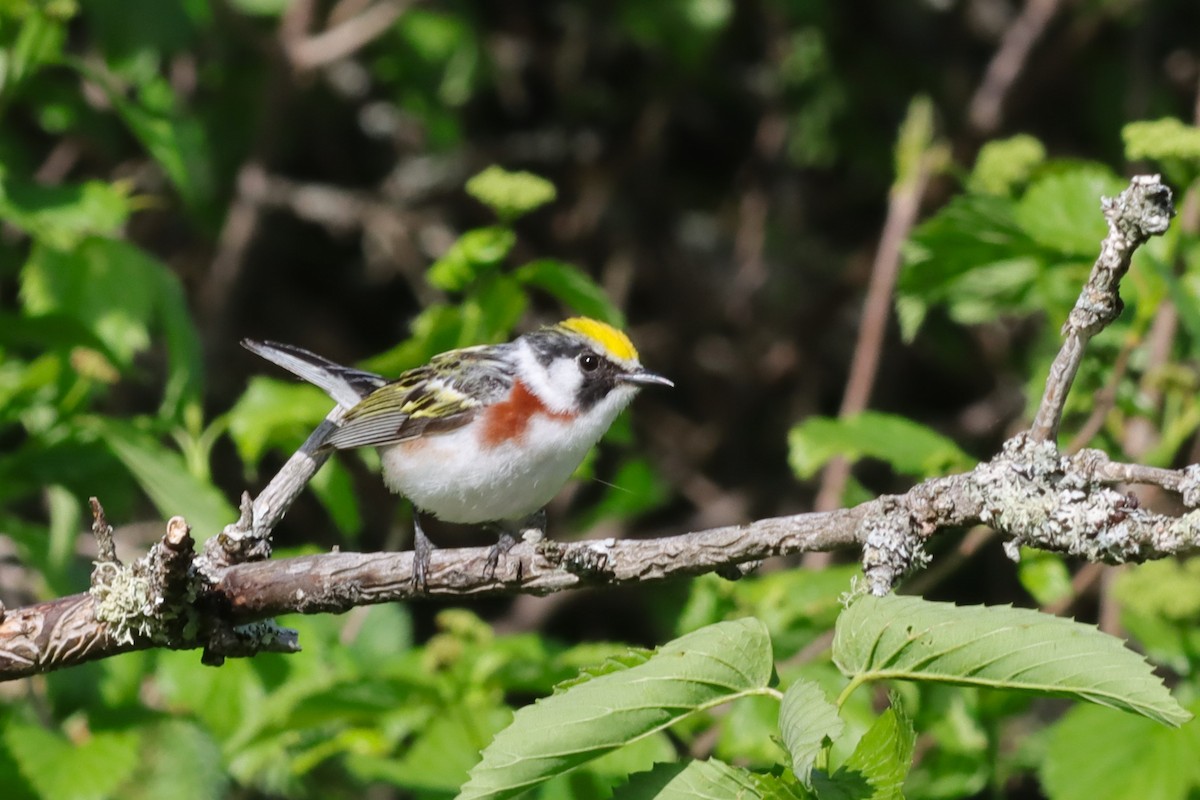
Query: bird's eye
589	362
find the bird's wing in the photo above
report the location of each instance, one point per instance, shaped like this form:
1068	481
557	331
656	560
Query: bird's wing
441	396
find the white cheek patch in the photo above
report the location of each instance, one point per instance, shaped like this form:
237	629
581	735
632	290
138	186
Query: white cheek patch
556	386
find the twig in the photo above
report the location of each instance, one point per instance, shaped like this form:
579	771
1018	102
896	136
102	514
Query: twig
1141	211
346	37
249	539
984	110
105	546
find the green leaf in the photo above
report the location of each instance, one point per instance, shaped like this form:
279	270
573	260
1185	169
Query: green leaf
796	605
1044	575
808	723
123	296
63	216
510	195
1061	209
970	231
1004	164
696	780
1160	607
108	285
476	252
164	477
998	647
229	701
492	311
700	670
35	40
175	140
442	753
573	287
596	779
1098	754
877	767
1161	140
334	488
909	447
273	413
89	770
264	8
178	760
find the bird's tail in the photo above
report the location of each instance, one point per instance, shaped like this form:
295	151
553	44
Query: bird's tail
345	385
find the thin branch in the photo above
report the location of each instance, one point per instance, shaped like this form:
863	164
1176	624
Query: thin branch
1141	211
346	37
984	110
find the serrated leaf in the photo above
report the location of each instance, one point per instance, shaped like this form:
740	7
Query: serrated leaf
878	766
97	765
1098	754
969	232
808	723
618	663
704	780
702	669
573	287
909	447
510	194
996	647
1061	209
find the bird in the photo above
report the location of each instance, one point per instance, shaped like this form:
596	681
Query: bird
486	434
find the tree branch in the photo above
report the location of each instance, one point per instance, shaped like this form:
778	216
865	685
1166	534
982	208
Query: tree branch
1030	493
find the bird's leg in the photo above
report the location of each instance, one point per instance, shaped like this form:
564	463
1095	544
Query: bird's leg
531	529
422	552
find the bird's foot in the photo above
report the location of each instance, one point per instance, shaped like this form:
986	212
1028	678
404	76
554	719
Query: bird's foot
531	529
496	552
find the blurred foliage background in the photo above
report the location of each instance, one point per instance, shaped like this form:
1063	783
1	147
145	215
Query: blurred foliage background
177	175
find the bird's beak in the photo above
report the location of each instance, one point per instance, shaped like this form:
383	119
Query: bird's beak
644	377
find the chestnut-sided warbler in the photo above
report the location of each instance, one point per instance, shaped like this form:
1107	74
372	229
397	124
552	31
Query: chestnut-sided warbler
485	434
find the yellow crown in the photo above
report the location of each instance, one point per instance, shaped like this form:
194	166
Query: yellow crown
614	342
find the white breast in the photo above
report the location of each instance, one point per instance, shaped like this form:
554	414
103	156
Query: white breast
456	477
